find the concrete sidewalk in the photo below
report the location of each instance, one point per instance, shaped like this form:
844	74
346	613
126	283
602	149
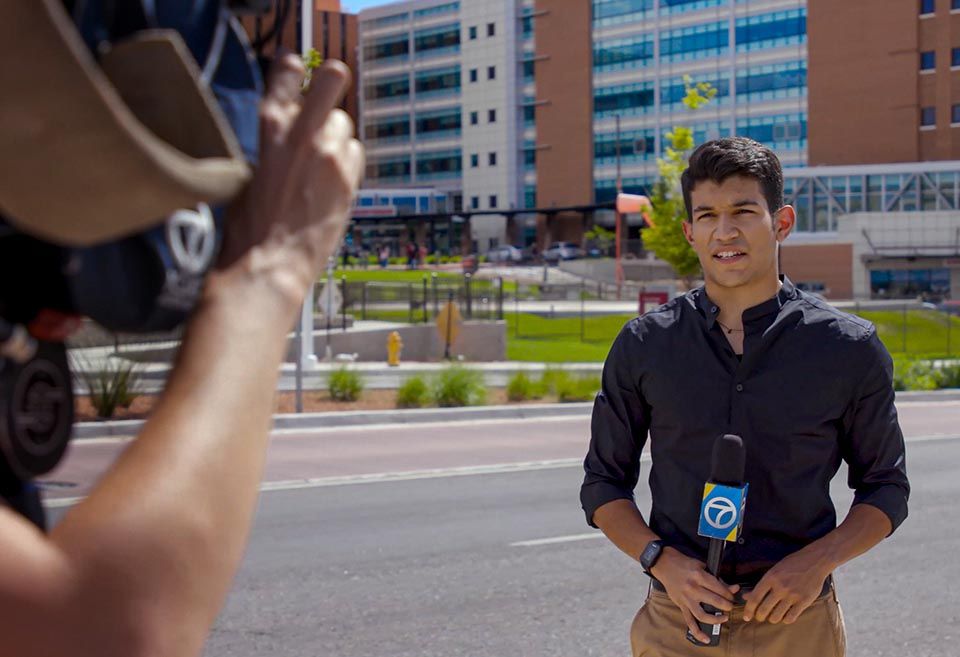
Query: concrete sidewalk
313	421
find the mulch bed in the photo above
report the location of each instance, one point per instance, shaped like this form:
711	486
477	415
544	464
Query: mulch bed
314	401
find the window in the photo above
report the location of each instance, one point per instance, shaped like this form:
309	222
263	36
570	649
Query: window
475	202
493	200
474	160
491	72
928	117
955	114
438	81
771	30
954	4
955	57
492	159
927	7
695	42
473	32
437	40
474	118
491	116
438	123
473	75
491	29
928	60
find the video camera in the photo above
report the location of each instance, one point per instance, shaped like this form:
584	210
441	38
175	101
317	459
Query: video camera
150	278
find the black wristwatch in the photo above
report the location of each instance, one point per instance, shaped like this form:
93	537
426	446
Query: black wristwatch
650	555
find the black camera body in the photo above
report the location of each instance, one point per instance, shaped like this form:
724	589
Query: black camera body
141	283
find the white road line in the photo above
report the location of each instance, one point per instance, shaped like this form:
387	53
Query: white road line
321	482
558	539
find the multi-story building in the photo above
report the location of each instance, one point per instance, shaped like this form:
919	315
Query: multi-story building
515	104
334	36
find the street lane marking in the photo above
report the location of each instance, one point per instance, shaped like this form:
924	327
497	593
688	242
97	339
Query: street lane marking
346	480
558	539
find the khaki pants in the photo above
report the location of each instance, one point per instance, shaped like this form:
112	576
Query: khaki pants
659	631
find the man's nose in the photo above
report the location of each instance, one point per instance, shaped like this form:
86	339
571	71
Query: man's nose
726	227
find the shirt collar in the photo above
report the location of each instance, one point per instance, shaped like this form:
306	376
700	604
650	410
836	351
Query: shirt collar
711	310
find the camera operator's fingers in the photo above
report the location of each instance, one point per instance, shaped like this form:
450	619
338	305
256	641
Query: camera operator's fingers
281	102
328	83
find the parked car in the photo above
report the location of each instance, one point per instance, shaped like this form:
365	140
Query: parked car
505	254
562	251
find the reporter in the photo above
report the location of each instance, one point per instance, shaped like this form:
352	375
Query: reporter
142	565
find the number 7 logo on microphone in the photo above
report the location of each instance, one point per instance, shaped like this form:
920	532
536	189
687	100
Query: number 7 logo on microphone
721	512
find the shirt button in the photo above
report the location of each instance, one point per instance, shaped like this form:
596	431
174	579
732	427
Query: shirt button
739	387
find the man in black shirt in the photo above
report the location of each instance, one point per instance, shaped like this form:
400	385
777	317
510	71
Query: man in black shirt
805	385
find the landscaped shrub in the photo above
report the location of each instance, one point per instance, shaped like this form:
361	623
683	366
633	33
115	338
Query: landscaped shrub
345	385
521	387
950	376
553	379
459	386
113	383
413	393
578	390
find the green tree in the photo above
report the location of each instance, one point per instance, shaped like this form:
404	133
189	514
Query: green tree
665	238
601	237
311	60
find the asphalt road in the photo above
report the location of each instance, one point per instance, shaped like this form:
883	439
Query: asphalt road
414	541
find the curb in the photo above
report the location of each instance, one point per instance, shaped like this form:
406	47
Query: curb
118	428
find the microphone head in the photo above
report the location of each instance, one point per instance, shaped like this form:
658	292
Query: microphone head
728	461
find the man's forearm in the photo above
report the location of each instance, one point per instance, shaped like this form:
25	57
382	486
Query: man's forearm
864	527
622	522
165	528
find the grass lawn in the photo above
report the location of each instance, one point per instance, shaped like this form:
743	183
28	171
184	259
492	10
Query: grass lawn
926	332
376	275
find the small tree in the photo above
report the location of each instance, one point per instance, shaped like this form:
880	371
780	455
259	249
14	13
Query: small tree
601	237
665	238
311	60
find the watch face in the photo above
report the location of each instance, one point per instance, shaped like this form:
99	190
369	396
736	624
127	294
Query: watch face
650	554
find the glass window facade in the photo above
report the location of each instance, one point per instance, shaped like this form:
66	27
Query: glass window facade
389	128
635	146
394	86
605	189
386	21
928	117
617	12
954	4
771	30
394	47
784	131
927	6
527	70
928	60
529	196
955	114
624	99
396	169
449	8
620	54
439	164
695	42
674	90
784	80
438	81
955	57
679	6
902	283
439	40
438	124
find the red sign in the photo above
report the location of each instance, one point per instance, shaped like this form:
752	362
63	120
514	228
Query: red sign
652	300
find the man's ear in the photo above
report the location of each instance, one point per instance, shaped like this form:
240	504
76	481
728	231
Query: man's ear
784	221
687	230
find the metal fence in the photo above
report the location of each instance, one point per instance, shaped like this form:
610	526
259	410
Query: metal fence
421	301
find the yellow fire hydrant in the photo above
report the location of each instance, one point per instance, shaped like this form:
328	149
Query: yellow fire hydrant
394	346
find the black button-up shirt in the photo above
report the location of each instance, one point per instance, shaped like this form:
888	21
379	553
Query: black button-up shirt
814	386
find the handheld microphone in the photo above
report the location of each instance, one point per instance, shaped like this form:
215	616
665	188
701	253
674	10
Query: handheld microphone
721	514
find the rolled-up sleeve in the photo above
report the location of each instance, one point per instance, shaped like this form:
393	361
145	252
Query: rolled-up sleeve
874	447
618	429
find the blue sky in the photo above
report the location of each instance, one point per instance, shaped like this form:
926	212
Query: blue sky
354	6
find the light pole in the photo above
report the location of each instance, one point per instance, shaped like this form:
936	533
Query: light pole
618	265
